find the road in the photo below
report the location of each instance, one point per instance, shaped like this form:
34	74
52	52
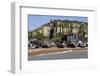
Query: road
67	55
38	51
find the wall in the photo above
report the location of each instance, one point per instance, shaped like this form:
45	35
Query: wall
5	36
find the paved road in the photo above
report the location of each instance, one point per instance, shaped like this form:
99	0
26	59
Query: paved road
67	55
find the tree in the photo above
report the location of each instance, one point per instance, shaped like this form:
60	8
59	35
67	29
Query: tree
29	35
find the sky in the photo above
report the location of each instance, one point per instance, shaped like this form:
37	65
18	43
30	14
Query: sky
35	21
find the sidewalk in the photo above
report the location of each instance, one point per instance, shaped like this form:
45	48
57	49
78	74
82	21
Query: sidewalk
38	51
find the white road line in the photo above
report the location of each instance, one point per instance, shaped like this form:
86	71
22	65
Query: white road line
54	53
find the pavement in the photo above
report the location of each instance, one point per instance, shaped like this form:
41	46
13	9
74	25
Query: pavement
38	51
66	54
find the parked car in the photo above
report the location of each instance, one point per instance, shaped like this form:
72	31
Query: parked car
61	45
71	45
44	45
81	44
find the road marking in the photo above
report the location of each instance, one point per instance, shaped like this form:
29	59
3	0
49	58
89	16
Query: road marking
54	53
